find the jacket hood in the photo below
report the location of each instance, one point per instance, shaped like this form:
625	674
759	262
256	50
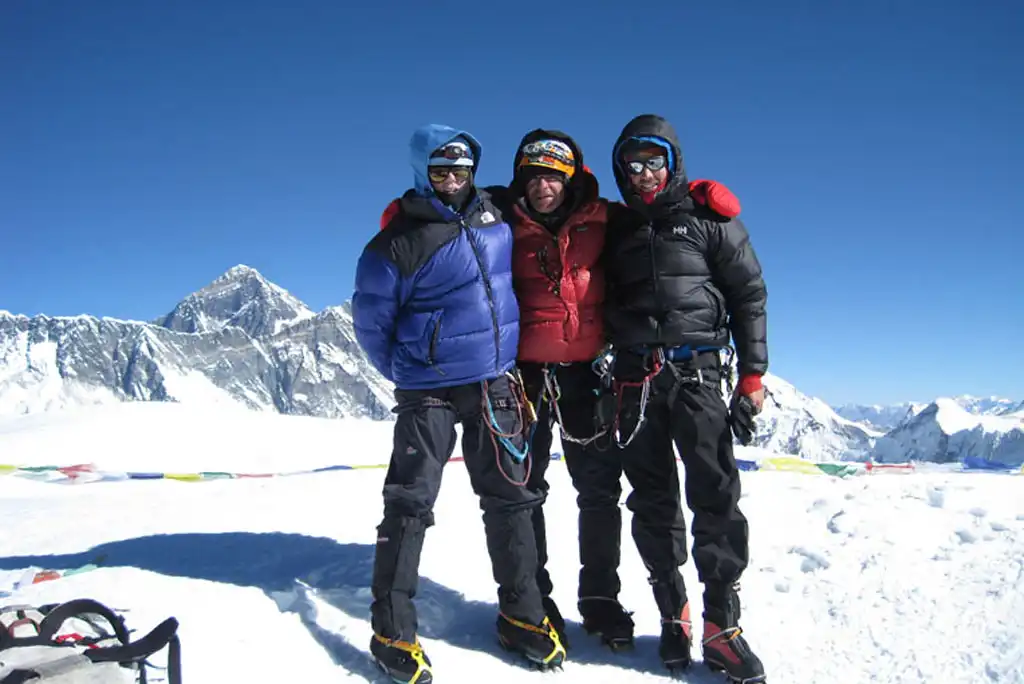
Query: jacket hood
656	129
428	138
583	184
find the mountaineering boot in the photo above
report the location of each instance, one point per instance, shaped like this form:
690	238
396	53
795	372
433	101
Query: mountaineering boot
676	638
676	634
556	619
540	644
607	618
723	646
404	662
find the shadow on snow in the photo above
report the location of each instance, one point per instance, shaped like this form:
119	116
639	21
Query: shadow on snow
339	574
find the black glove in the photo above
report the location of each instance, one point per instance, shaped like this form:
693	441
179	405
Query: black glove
741	418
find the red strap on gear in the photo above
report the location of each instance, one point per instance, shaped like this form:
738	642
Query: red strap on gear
716	197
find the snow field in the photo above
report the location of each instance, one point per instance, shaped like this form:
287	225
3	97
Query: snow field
893	579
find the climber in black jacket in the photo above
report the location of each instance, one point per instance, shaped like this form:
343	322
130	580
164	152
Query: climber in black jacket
682	279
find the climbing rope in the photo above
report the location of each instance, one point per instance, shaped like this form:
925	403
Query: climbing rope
553	392
525	416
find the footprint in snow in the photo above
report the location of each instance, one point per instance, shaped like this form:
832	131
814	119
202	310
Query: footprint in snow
936	497
998	526
840	523
812	559
978	512
966	536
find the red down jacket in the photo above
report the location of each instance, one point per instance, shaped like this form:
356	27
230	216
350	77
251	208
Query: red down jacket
559	280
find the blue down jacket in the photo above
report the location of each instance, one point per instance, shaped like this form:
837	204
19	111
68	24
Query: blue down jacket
433	303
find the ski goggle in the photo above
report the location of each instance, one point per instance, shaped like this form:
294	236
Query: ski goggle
452	151
637	166
439	173
551	154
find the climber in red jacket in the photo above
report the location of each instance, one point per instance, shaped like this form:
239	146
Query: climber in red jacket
559	221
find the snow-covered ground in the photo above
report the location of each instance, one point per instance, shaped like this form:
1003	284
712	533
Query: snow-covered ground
873	578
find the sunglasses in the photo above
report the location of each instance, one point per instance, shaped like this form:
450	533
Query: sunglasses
439	173
636	167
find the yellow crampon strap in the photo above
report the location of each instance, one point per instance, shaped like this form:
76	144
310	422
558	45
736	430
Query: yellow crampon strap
415	651
549	632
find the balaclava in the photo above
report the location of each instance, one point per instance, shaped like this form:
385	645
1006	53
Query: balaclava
456	153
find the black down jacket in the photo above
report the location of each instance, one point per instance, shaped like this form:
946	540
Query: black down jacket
678	273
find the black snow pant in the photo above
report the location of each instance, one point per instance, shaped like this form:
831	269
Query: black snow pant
424	440
690	412
596	472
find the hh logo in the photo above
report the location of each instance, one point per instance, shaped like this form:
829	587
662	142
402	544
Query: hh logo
487	218
679	230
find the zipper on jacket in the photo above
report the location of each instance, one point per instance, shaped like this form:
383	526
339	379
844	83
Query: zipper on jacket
433	341
542	263
432	352
657	285
490	295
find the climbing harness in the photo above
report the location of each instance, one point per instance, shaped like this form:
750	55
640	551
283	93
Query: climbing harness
552	392
658	362
727	369
697	376
525	417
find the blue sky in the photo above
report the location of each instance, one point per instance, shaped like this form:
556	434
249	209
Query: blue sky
148	147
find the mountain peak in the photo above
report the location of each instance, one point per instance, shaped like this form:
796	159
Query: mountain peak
991	405
240	272
241	297
947	432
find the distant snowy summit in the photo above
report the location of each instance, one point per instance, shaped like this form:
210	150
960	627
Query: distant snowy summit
241	341
241	298
957	430
888	417
979	430
880	417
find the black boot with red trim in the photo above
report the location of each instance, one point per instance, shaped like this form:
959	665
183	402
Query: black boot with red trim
539	644
724	647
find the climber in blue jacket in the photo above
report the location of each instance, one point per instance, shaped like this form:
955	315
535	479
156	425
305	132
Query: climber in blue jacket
435	311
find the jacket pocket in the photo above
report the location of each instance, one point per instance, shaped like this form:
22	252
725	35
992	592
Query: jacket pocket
434	331
717	304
